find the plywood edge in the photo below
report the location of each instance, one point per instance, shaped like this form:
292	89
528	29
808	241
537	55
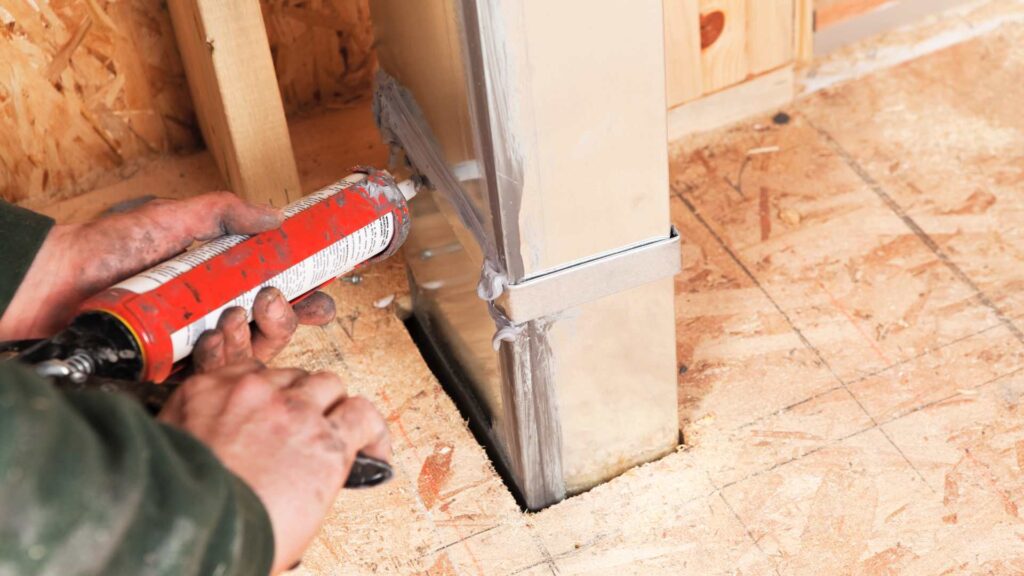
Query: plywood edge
755	96
880	17
963	22
836	12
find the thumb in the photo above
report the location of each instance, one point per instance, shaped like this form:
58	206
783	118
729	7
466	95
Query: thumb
210	215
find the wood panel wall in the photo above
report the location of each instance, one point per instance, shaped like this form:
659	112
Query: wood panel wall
89	89
712	45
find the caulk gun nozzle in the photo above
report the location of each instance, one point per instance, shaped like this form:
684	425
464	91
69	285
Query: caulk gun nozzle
408	189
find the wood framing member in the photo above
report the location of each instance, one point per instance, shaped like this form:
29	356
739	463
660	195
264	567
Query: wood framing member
227	58
723	42
769	34
764	93
803	37
682	51
714	45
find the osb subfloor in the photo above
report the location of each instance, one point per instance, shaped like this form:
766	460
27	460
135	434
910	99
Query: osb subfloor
850	348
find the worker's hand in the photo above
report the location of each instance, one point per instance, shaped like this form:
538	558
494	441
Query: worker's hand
274	322
78	260
290	435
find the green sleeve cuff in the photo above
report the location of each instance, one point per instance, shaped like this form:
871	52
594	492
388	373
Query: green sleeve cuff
255	524
91	485
21	235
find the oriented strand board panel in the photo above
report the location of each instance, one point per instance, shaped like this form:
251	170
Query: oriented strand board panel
231	75
769	34
86	90
682	51
327	146
323	49
91	92
723	40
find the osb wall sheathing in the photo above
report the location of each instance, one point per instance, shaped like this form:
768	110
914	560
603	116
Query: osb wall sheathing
89	89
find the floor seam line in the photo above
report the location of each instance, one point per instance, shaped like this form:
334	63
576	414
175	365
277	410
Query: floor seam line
874	426
916	229
735	258
925	353
743	267
755	541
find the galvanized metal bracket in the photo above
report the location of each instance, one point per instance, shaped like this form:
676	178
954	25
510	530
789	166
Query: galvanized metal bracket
591	280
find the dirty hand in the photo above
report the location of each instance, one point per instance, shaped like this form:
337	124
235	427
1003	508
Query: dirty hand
290	435
274	323
78	260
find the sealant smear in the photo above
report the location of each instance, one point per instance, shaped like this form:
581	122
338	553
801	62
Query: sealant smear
492	113
403	125
533	435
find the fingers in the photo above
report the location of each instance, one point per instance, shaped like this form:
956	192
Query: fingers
201	385
230	343
113	248
275	323
284	378
172	410
234	325
208	354
162	228
211	215
322	390
362	427
316	310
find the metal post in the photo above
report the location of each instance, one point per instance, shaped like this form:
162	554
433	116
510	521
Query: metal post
541	128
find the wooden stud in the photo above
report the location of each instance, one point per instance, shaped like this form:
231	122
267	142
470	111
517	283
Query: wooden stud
226	53
682	51
723	33
803	39
769	34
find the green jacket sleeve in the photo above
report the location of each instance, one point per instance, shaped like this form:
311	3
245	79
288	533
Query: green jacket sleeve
21	234
92	485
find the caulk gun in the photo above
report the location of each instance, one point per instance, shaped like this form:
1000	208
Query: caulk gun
132	336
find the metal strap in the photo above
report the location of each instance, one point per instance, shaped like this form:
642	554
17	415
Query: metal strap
592	280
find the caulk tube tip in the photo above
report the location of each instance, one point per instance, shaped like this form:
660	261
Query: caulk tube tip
408	189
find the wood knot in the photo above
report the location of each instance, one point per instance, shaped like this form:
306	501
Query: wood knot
711	26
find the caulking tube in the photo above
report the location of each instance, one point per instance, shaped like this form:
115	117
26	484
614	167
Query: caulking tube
161	312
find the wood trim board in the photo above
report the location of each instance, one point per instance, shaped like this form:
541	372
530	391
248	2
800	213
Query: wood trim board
766	92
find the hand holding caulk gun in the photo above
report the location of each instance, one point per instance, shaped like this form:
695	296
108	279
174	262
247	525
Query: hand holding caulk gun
292	436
